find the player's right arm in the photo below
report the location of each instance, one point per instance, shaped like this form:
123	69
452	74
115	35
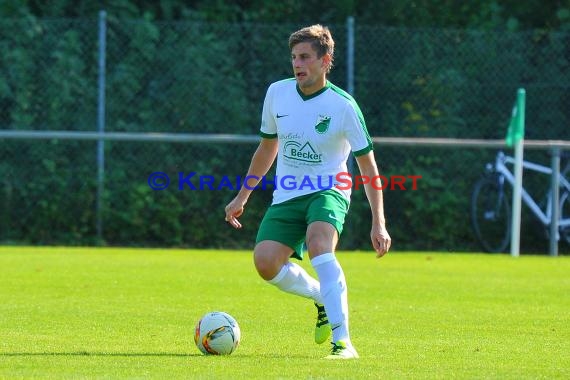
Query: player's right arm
260	164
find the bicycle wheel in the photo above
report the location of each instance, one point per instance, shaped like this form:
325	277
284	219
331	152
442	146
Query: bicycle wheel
491	214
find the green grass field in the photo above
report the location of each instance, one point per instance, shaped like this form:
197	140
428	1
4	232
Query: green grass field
130	313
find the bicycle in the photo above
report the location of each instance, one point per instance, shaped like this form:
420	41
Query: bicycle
490	203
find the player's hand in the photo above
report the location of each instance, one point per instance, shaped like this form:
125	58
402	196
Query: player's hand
233	210
381	240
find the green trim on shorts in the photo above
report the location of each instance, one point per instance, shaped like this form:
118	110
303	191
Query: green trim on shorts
287	222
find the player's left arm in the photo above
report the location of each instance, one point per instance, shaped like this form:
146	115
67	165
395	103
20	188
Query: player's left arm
381	240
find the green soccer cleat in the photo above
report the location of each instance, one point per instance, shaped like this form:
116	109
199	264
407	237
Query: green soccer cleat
323	327
341	350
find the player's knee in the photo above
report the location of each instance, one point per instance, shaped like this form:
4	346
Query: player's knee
266	265
321	238
318	243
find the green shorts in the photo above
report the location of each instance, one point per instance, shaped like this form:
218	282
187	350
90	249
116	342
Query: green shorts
287	222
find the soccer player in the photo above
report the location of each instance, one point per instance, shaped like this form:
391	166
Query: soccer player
311	126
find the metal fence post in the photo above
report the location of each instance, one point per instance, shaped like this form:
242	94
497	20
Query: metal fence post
350	55
555	188
350	69
101	124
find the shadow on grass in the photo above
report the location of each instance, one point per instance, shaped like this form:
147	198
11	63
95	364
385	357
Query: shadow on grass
150	354
85	353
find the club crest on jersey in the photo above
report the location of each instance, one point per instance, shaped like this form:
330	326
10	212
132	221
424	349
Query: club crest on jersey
323	123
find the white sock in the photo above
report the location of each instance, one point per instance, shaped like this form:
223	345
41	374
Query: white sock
334	293
292	278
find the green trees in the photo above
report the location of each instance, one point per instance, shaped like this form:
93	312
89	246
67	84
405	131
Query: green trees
485	14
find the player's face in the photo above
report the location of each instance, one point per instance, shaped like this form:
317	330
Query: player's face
309	70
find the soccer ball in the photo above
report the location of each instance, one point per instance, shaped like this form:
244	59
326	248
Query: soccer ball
217	333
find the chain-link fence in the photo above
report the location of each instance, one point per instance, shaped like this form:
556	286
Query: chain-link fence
196	77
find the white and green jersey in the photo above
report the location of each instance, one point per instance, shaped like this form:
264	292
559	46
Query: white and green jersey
316	134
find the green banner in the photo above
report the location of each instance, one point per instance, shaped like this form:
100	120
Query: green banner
515	132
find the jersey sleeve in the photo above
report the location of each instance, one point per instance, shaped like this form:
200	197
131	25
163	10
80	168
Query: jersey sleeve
356	131
268	128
